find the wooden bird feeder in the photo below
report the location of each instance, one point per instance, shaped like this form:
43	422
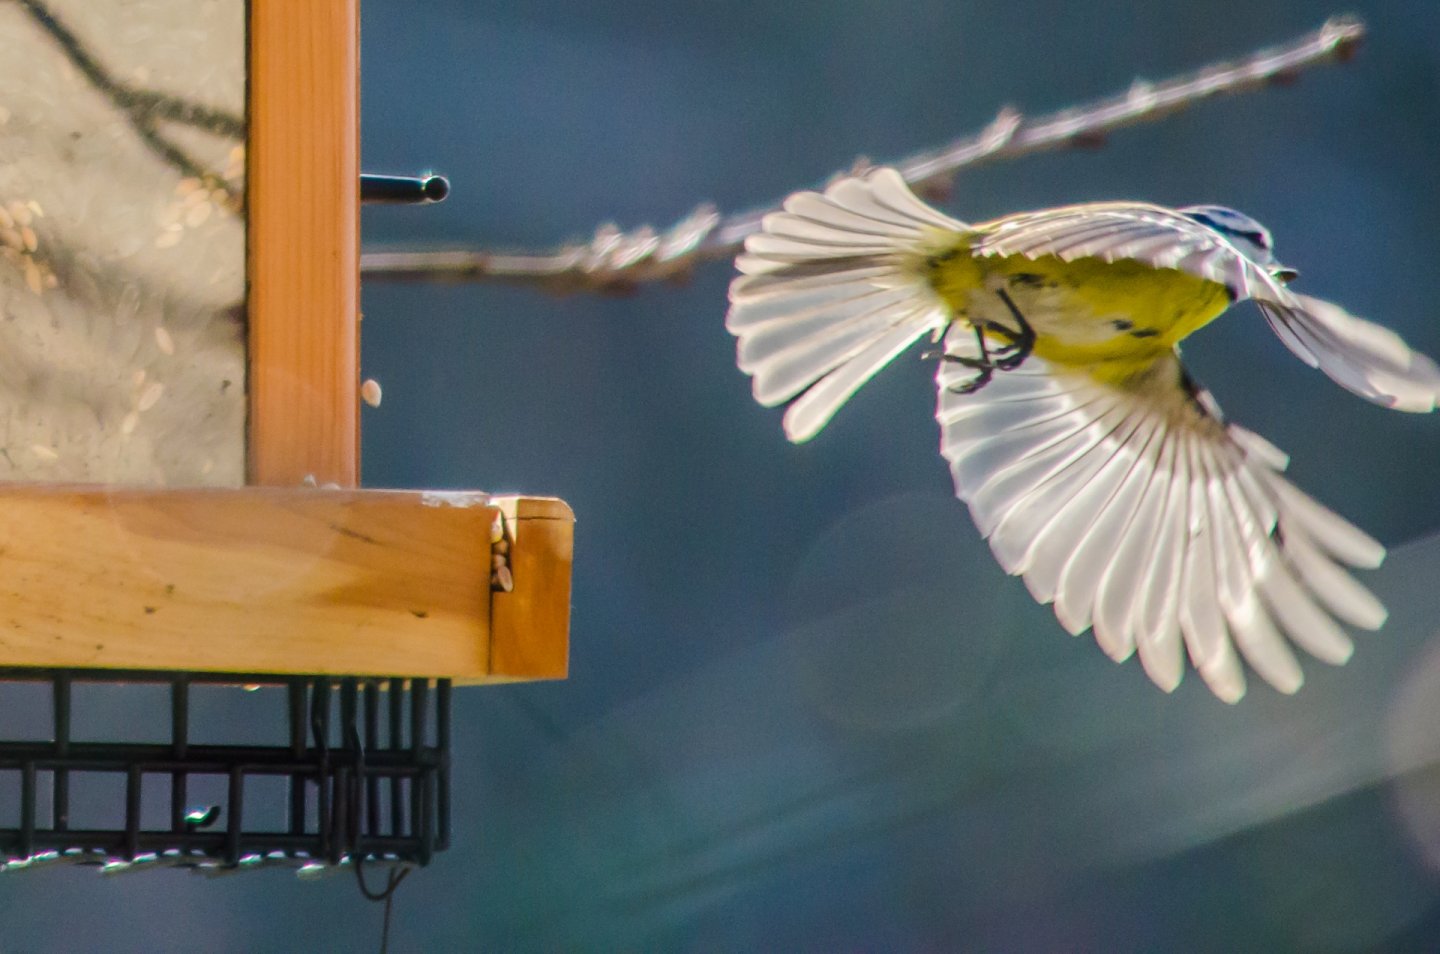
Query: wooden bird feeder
179	314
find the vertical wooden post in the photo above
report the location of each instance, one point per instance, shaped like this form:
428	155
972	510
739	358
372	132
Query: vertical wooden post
304	243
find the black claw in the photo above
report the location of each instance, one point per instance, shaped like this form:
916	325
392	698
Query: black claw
1005	350
985	366
1011	355
1012	361
975	383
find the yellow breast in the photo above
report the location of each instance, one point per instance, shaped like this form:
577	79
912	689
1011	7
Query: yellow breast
1115	318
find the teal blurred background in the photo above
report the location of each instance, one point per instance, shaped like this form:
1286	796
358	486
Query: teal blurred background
806	711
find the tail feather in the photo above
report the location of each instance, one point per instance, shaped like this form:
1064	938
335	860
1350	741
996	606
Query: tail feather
789	353
813	410
830	292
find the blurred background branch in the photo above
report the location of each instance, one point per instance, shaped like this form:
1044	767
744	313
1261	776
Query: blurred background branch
615	261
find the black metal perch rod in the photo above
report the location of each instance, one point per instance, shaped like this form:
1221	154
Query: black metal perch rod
403	190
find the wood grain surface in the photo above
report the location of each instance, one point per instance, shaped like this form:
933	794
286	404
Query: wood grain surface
271	580
304	242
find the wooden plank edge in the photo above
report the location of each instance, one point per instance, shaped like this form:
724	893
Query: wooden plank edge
279	581
530	626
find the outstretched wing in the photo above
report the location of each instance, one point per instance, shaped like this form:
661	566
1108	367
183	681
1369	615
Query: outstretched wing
1360	356
1140	514
829	294
1111	231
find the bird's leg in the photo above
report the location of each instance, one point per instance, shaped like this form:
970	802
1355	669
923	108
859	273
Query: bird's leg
982	364
1022	343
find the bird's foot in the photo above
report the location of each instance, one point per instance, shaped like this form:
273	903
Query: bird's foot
984	366
1020	344
975	383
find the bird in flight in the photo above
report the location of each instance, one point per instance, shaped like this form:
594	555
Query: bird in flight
1094	465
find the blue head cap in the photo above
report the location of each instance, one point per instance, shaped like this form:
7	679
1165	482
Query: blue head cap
1249	237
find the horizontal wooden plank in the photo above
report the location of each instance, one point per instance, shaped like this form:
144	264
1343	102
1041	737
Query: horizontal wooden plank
279	580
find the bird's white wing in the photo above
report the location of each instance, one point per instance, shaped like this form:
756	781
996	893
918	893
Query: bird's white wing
828	294
1360	356
1111	231
1139	514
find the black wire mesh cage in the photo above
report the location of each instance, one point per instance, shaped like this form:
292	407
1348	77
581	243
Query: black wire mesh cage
222	771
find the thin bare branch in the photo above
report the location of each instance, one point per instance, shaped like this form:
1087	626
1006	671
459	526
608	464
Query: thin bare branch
615	260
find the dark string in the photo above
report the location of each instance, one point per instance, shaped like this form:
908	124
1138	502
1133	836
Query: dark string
396	876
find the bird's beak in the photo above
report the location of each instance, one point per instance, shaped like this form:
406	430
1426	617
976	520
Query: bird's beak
1284	275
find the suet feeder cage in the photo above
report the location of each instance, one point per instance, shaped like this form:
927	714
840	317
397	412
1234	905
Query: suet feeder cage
179	433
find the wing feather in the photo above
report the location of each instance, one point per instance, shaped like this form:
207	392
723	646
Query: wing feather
1053	547
1342	594
1079	583
1116	592
1306	623
1337	536
1159	623
1201	621
1003	481
1148	520
1014	538
1356	354
1111	231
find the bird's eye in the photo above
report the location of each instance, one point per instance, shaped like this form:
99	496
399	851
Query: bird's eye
1259	239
